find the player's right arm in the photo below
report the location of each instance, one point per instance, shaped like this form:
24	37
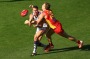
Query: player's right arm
29	22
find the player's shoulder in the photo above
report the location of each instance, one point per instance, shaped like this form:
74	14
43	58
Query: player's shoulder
40	10
31	15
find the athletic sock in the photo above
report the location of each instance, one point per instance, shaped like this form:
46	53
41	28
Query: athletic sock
40	44
35	47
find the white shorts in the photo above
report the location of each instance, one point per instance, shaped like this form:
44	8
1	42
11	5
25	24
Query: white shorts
43	28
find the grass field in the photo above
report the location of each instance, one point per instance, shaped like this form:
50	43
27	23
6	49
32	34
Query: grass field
16	39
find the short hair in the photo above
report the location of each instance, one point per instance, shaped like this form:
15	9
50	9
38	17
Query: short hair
47	6
35	7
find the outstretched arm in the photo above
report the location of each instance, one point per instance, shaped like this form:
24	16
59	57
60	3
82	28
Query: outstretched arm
28	22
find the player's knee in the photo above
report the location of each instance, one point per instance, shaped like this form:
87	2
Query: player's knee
35	38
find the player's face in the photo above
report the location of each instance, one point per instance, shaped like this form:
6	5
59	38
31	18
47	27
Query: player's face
35	11
43	7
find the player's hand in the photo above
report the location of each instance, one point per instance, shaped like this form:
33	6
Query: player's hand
33	22
30	6
34	26
26	22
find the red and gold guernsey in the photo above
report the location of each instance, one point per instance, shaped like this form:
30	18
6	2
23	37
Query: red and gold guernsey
52	22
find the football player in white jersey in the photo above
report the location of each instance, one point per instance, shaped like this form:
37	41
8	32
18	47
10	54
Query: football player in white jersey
41	28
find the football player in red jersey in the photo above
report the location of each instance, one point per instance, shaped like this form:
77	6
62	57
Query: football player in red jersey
55	25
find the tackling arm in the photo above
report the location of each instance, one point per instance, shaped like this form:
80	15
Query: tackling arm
40	18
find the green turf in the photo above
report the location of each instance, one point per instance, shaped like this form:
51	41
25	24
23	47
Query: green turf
16	39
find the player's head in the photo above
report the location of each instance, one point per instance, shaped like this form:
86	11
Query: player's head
35	10
46	6
36	7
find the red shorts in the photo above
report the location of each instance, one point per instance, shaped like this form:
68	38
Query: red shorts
58	28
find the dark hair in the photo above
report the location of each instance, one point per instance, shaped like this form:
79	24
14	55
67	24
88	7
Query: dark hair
47	6
35	7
